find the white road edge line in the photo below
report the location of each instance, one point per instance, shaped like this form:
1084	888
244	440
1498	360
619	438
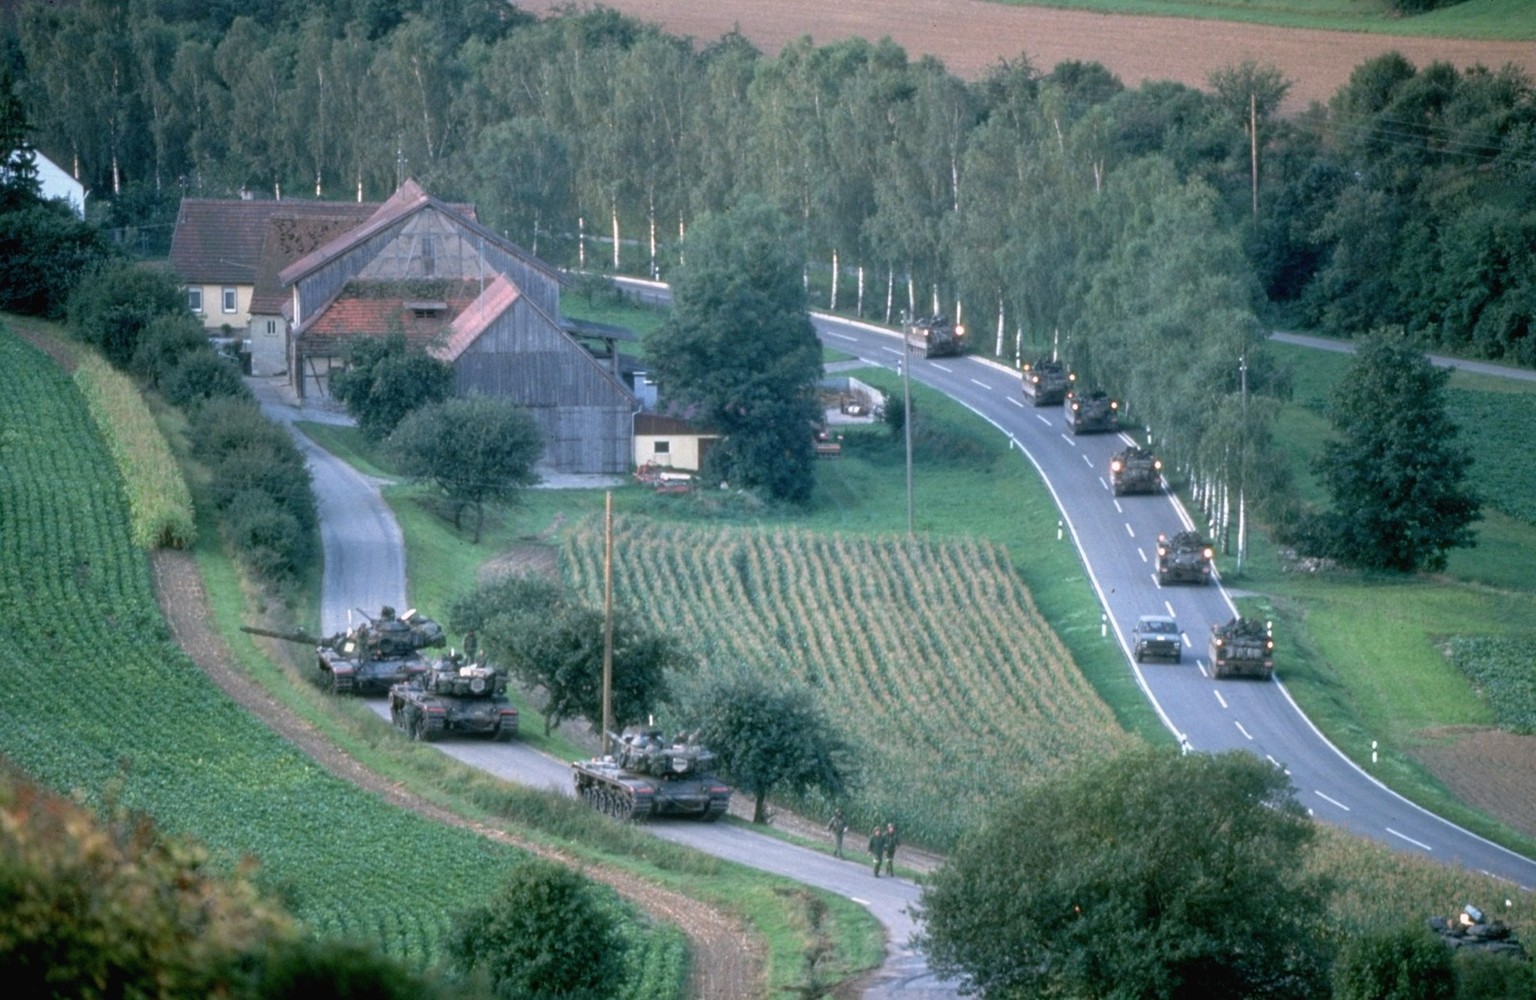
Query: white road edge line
1416	843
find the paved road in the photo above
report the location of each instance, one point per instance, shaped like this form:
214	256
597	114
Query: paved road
1438	360
1117	539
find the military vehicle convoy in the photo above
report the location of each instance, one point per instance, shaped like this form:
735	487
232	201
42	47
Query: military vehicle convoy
1046	382
935	336
645	778
1184	558
454	696
1135	470
1470	929
1092	412
1243	647
372	657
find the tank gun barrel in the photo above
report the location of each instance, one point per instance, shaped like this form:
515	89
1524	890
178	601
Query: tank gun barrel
309	640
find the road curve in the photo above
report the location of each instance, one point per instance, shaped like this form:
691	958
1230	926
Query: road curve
365	568
1116	537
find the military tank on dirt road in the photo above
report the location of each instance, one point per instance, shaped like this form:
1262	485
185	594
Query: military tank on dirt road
372	657
455	696
646	778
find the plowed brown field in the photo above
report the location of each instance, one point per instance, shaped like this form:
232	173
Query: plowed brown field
968	36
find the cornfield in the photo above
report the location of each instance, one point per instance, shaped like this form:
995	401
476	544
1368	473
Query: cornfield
929	654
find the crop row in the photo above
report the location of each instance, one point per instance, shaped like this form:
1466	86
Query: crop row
930	655
159	502
1504	673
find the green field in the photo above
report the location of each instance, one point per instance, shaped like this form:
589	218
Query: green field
1510	20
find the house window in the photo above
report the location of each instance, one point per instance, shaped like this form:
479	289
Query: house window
663	447
230	302
271	327
195	300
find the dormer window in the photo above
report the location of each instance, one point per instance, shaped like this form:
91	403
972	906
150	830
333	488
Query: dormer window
427	310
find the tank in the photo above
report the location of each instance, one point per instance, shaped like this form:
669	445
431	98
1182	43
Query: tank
1470	929
372	657
935	336
1184	558
1092	412
647	778
456	695
1045	382
1243	647
1135	470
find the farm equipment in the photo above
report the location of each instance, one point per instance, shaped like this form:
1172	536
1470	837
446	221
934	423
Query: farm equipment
1471	930
454	696
1242	648
1135	470
1184	558
372	657
1046	382
1092	412
935	336
645	778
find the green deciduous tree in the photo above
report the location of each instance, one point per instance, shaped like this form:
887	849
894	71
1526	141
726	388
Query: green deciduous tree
475	449
548	639
385	379
1149	875
547	935
740	346
111	308
1395	471
771	736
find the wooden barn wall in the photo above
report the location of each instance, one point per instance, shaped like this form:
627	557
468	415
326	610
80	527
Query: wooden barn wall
586	415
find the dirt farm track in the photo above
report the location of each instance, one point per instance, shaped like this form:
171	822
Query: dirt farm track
969	36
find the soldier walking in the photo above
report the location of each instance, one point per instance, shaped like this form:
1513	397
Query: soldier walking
889	846
839	826
877	847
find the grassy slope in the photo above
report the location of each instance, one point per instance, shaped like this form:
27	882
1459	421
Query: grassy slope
1509	20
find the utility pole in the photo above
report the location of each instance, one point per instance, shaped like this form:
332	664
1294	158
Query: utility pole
1242	464
906	411
607	620
1253	143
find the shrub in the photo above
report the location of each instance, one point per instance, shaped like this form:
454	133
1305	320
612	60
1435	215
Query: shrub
268	538
1407	963
110	307
201	376
165	341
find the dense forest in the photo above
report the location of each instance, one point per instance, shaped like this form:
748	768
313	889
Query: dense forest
1049	207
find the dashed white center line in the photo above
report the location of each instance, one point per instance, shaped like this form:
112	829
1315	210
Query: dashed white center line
1040	418
1169	606
982	384
1219	699
1129	530
1330	800
942	368
842	336
1416	843
1016	402
1246	735
1141	552
892	350
1088	461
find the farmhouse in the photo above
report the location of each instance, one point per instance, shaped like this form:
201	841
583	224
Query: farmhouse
303	279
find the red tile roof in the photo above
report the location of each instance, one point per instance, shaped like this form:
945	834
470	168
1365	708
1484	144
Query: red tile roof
496	299
358	312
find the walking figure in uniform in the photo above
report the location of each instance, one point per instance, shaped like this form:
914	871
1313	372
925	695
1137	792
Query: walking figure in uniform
877	847
889	847
838	826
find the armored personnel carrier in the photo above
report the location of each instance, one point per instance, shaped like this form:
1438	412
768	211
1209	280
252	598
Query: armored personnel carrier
1184	558
935	336
646	778
1092	412
1470	929
1045	382
1135	470
1243	647
372	657
454	696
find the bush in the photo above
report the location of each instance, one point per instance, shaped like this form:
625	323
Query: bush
267	538
110	307
1408	963
337	970
200	377
46	251
164	343
546	934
